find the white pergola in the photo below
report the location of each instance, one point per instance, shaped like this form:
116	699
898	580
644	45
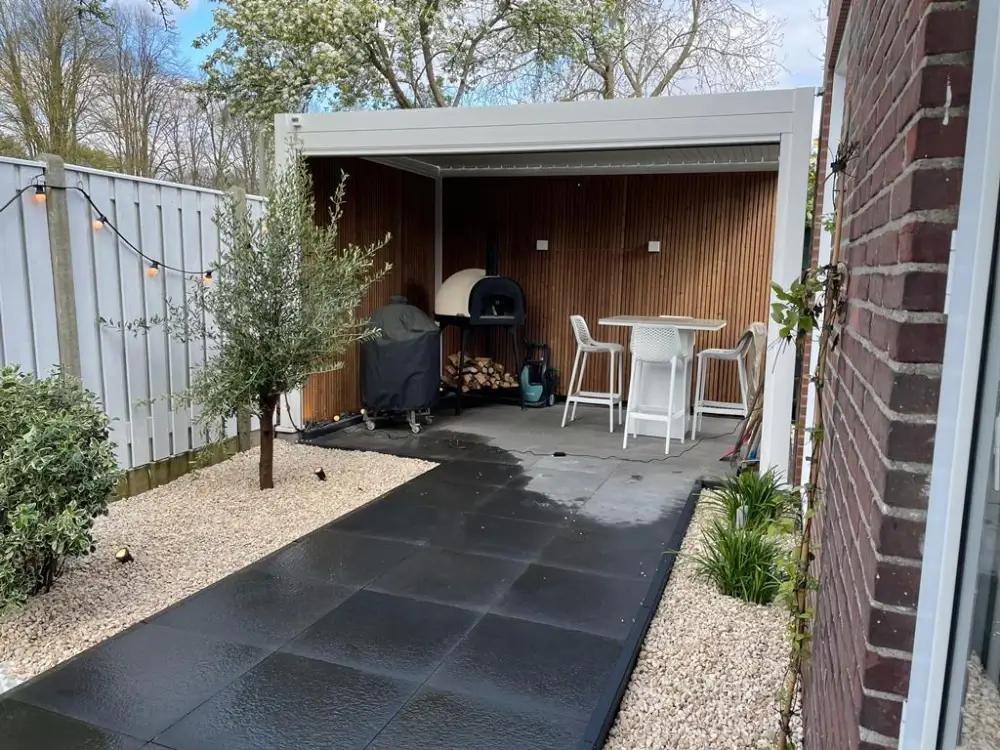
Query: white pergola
757	131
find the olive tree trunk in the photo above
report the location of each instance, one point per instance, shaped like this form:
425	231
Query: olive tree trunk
267	443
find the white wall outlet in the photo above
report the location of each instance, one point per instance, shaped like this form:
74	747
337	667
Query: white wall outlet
541	244
653	246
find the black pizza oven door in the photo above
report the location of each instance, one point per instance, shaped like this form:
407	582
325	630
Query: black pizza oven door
496	300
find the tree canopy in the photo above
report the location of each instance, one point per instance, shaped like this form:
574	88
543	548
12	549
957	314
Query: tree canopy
274	57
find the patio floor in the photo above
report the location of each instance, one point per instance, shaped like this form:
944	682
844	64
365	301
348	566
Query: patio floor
494	602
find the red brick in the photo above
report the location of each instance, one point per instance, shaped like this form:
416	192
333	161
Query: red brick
887	674
921	242
881	715
948	30
916	342
926	190
891	629
912	443
897	585
930	138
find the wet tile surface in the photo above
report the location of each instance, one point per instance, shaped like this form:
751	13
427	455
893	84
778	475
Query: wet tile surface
525	663
448	577
454	721
141	682
256	608
32	728
345	559
292	702
386	634
566	598
503	537
482	605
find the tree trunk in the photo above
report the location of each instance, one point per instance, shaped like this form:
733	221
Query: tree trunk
267	443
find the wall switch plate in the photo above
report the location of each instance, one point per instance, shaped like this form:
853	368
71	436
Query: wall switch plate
653	246
541	244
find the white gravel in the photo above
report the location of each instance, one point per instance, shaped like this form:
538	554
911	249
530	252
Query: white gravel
981	712
710	669
184	536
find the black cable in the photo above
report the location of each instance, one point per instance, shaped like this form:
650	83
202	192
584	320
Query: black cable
562	454
17	195
103	218
108	223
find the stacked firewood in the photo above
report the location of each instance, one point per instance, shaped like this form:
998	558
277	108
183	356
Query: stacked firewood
477	373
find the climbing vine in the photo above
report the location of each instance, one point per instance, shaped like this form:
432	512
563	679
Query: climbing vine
813	303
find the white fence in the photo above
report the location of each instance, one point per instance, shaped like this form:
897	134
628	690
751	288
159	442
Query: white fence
172	224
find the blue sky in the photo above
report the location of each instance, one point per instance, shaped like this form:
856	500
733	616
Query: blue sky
801	53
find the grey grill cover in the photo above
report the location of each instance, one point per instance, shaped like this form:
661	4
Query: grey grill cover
401	368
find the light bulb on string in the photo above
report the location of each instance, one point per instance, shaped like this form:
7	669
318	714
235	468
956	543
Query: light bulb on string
39	193
154	268
206	278
99	223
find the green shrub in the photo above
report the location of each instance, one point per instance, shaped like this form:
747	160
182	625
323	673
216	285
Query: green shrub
741	562
764	499
57	472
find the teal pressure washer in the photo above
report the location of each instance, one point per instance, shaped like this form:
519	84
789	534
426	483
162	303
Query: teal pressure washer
538	379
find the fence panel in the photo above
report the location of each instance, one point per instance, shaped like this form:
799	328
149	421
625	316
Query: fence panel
133	375
27	302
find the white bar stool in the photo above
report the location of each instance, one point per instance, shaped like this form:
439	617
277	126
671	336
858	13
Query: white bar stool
585	346
725	408
656	345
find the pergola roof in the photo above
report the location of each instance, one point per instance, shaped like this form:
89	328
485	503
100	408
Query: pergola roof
761	130
755	118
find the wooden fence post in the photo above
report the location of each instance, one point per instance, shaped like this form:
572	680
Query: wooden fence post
57	209
243	415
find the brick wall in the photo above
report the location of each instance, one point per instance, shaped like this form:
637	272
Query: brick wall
908	76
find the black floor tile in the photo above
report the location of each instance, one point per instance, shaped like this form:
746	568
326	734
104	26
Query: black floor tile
255	607
482	472
291	703
560	484
453	721
142	681
503	537
417	524
342	558
571	599
530	664
436	489
470	581
392	635
630	552
556	506
29	728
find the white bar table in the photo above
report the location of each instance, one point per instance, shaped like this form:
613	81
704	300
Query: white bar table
656	377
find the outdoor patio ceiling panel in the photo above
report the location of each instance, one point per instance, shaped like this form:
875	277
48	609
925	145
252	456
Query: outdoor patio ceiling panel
742	158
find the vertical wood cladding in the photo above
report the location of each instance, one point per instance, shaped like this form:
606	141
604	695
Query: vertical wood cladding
715	233
379	200
715	230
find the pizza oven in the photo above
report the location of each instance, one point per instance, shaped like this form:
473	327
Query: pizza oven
480	297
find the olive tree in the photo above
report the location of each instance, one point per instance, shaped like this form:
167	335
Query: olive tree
280	305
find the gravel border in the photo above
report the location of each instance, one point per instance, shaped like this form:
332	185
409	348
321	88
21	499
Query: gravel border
184	536
709	671
981	712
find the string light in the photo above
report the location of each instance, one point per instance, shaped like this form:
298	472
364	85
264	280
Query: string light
100	221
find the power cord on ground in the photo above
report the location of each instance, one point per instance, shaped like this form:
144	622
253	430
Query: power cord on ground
567	454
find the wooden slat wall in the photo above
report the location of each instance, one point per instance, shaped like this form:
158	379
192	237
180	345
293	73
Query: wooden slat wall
379	200
715	230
